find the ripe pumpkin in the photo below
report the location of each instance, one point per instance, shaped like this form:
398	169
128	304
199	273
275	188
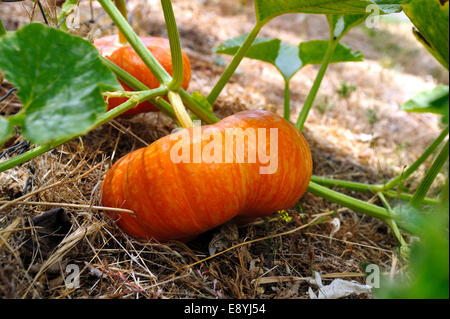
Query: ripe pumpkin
126	58
181	200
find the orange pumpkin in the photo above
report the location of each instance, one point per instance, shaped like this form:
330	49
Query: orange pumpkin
126	58
179	200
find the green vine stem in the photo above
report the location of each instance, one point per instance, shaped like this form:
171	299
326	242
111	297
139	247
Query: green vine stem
349	202
399	179
316	85
175	46
2	28
102	119
367	188
393	225
287	100
354	186
122	7
212	97
150	61
430	176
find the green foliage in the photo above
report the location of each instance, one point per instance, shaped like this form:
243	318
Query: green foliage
345	90
430	101
2	29
268	9
430	17
202	101
312	52
428	272
340	25
372	116
59	83
409	218
288	59
5	130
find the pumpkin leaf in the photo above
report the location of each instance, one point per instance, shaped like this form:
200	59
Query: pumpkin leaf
313	52
340	25
284	57
6	130
431	101
288	59
203	102
268	9
59	83
430	17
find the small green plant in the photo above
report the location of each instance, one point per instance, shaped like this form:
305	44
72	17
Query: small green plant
346	90
372	116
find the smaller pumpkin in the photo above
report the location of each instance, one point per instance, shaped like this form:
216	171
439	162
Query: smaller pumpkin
126	58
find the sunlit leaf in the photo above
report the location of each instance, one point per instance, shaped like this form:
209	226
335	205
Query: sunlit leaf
430	101
59	78
430	17
201	101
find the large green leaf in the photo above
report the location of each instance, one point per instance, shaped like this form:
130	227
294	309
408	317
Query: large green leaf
430	101
268	9
430	17
59	78
288	59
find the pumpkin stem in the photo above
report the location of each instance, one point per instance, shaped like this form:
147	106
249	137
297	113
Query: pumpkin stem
121	5
179	110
